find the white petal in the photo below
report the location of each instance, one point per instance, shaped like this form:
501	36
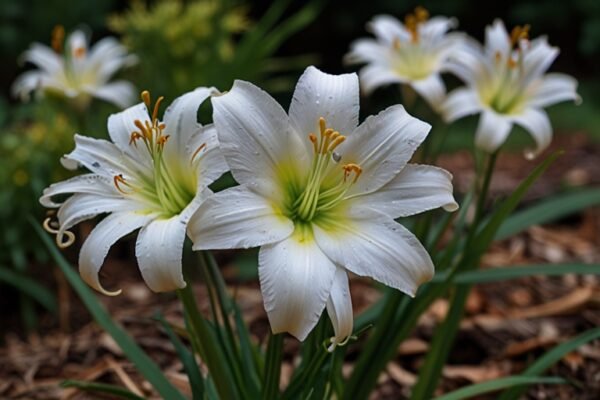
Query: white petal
83	206
339	308
436	27
497	40
209	160
107	56
28	82
120	127
88	183
295	280
432	89
333	97
492	131
367	50
255	136
537	123
373	244
469	61
159	249
388	29
237	218
554	88
181	121
537	59
43	57
76	40
100	240
374	76
99	156
382	145
417	188
120	93
460	103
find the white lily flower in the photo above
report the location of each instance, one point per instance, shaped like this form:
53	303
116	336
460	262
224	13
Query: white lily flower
414	53
320	193
507	84
153	175
77	73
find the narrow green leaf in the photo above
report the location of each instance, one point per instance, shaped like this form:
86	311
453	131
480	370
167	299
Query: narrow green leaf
550	358
112	390
485	236
443	340
29	287
554	208
273	367
517	271
132	351
206	342
187	359
498	384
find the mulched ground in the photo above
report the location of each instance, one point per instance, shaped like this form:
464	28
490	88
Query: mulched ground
507	325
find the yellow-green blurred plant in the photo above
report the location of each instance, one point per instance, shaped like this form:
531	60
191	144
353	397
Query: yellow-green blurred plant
29	152
182	45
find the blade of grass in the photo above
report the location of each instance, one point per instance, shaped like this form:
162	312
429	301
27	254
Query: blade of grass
477	244
147	368
498	384
188	360
273	367
548	210
517	271
550	358
105	388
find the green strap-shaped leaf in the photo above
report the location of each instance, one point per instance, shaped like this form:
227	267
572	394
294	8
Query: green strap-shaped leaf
498	384
187	359
550	358
132	351
548	210
105	388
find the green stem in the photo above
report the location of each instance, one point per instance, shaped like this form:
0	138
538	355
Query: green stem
205	340
273	367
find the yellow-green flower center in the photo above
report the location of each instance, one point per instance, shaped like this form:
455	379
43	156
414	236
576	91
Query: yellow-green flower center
318	197
163	189
505	94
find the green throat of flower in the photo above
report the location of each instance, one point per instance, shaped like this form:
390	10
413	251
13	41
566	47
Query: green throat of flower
317	198
162	189
507	98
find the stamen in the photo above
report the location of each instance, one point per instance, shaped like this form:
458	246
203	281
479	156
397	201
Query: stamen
519	33
79	52
396	44
134	137
349	169
162	140
146	97
156	106
313	138
119	180
198	150
338	140
412	22
58	38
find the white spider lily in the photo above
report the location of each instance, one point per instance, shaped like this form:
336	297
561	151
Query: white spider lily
507	84
413	53
320	193
77	72
154	177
